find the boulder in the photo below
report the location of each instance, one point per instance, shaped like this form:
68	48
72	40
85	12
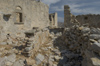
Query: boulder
19	63
8	60
95	61
99	40
95	47
85	30
57	58
95	36
39	58
95	31
27	49
11	58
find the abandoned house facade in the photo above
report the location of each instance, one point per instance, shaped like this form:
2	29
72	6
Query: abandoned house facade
18	16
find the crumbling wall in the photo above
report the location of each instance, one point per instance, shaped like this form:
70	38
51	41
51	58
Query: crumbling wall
30	50
67	15
90	19
69	19
53	20
84	43
41	38
18	16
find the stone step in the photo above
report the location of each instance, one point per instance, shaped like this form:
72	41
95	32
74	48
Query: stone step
27	54
29	45
28	49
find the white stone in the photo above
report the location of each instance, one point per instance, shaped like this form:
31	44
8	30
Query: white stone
39	58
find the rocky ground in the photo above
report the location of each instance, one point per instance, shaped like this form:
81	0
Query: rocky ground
75	46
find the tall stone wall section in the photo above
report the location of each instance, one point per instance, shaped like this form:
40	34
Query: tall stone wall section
67	16
90	19
53	20
69	19
33	14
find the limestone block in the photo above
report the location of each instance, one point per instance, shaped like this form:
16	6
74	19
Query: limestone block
8	60
95	61
95	36
85	30
27	49
19	63
39	58
95	31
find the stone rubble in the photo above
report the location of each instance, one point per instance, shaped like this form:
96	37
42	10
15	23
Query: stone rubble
84	44
74	46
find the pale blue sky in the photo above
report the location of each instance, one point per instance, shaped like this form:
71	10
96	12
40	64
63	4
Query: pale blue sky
77	7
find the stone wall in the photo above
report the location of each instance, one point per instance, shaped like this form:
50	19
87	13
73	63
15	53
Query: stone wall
90	19
67	15
69	18
17	16
53	20
84	43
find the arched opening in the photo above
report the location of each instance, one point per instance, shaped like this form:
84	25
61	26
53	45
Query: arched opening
18	8
18	15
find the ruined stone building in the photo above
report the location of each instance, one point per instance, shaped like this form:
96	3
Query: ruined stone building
53	20
69	18
89	19
30	36
18	16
